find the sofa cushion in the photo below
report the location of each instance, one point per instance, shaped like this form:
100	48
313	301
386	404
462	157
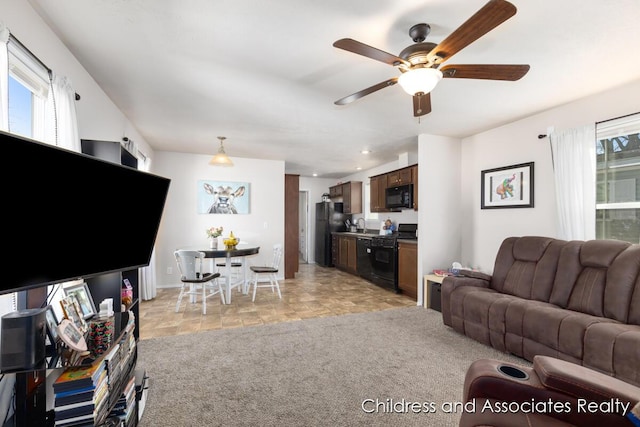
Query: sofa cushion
614	348
622	292
558	329
526	267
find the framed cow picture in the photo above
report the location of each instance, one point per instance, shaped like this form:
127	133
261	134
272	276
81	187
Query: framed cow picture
223	197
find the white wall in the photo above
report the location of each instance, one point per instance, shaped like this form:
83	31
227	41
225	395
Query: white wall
182	226
484	230
439	212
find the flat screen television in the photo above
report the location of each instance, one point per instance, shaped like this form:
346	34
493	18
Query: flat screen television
71	216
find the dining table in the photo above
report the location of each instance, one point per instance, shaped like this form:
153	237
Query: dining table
240	250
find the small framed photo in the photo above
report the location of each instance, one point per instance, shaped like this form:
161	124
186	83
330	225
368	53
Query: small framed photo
507	187
52	325
73	312
83	296
71	336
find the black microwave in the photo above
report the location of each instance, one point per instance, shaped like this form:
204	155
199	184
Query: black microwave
399	197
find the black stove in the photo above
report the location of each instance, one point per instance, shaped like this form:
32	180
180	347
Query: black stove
384	255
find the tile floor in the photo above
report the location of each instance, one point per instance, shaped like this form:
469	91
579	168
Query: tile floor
315	292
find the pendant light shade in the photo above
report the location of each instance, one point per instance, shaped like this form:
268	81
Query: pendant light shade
221	158
420	80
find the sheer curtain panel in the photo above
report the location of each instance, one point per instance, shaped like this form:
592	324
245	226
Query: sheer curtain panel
66	120
574	167
148	273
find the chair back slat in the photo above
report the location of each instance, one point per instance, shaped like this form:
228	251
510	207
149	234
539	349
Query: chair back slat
189	263
277	255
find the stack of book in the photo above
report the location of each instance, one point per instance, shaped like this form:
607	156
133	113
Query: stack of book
112	363
81	394
125	407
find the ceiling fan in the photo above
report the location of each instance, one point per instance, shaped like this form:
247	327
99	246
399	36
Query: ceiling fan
419	63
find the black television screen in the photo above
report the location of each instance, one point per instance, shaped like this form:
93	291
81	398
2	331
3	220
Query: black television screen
72	216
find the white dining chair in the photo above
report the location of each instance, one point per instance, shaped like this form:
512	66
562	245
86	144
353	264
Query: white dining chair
270	271
194	281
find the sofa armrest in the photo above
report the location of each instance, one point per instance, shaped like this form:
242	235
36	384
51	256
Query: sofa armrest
578	381
570	390
476	275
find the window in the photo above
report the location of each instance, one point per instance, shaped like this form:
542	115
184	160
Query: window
618	179
28	92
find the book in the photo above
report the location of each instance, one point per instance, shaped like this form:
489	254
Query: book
77	377
83	397
80	420
86	408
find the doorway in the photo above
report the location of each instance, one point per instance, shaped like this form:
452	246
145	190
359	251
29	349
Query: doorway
303	220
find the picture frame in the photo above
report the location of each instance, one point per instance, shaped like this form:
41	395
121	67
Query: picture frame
71	336
507	187
84	299
52	325
223	197
73	312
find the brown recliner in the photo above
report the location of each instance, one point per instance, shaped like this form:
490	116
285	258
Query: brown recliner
552	392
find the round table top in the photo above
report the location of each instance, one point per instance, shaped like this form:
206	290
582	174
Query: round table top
242	249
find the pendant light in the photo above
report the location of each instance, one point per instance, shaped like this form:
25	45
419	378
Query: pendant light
221	158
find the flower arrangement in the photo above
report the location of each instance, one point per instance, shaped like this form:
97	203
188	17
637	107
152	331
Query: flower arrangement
214	232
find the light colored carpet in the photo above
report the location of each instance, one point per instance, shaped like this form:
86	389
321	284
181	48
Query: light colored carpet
315	372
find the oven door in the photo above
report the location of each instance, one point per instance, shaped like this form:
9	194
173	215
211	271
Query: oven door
383	266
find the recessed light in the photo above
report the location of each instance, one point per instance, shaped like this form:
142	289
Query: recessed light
358	168
315	174
366	151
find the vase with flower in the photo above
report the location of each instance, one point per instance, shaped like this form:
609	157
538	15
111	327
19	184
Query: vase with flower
213	233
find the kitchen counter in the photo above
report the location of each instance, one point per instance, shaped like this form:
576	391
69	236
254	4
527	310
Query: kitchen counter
370	235
355	234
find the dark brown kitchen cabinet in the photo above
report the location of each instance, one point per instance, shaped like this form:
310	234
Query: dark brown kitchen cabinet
379	183
347	255
408	269
399	177
352	197
377	186
350	194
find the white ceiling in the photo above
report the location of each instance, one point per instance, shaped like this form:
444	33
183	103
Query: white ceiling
265	74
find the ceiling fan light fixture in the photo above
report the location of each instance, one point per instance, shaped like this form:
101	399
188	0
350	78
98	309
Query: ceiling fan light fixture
221	158
420	80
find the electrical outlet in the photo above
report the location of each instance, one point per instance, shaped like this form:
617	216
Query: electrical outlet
169	270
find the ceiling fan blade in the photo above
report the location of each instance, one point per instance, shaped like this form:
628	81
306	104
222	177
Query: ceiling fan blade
492	14
485	71
367	91
421	105
370	52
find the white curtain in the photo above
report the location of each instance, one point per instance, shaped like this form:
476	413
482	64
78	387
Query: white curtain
4	77
66	119
574	166
148	273
61	122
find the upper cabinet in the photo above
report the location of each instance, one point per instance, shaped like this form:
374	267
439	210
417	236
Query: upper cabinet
350	193
399	177
379	183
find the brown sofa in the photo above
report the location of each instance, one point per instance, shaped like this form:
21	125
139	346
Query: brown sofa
577	301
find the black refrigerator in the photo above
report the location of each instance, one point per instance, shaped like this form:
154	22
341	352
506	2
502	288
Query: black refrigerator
329	218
